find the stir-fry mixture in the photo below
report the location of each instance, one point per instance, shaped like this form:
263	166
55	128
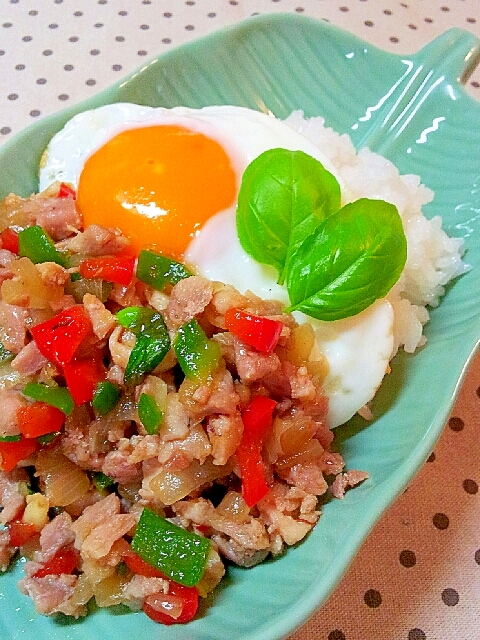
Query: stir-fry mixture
153	424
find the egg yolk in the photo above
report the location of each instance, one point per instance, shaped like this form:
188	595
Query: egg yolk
158	185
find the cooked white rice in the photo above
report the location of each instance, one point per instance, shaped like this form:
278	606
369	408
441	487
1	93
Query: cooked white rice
433	258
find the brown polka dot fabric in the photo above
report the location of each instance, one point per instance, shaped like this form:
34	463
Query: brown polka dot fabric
77	50
417	576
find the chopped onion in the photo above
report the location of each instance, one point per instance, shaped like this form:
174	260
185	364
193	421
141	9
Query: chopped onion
9	378
296	437
313	451
82	593
109	592
27	288
302	339
95	286
171	485
64	481
233	507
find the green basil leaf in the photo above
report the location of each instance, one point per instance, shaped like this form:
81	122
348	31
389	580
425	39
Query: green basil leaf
354	258
283	197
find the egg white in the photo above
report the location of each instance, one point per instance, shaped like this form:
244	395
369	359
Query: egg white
357	349
242	132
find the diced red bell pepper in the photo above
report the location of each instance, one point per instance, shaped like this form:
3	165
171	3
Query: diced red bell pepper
156	606
257	419
20	532
82	377
39	418
188	596
249	458
11	453
202	528
59	338
64	561
66	191
257	331
137	565
110	268
9	240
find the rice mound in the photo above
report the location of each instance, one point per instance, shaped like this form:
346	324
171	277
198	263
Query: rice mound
433	258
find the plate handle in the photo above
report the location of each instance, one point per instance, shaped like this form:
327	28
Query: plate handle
457	52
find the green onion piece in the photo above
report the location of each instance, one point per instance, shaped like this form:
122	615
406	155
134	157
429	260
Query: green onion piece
149	413
11	438
197	355
102	481
37	245
5	355
105	397
177	553
48	437
58	397
152	343
158	271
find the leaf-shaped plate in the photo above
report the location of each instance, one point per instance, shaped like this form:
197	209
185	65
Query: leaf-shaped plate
412	109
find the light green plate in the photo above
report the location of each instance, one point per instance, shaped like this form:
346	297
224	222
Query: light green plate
413	110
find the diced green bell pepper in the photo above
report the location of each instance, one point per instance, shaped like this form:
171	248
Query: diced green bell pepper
152	343
158	271
197	355
34	243
11	438
149	413
48	437
177	553
105	397
58	397
102	481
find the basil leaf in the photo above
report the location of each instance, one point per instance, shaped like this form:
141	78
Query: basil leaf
283	197
354	258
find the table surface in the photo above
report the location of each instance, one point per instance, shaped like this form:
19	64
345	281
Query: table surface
417	577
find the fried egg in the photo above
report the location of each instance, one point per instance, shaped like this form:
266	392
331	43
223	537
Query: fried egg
169	179
160	174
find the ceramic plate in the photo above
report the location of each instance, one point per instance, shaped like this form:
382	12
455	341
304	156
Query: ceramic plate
413	110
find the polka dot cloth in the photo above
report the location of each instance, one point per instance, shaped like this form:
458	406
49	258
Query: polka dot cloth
417	577
55	52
